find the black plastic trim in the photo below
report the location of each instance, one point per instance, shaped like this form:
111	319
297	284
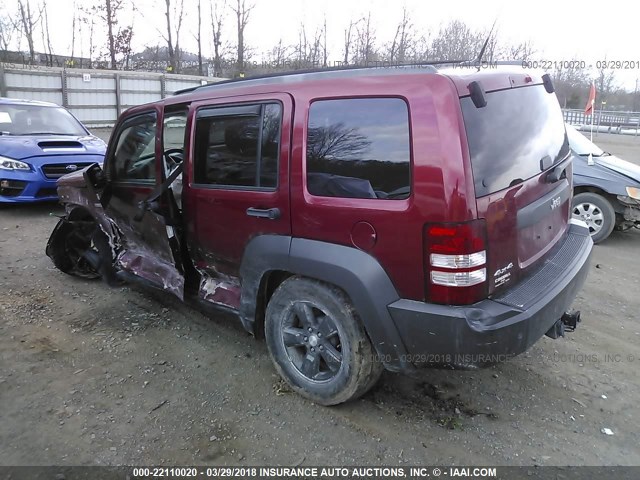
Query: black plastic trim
356	272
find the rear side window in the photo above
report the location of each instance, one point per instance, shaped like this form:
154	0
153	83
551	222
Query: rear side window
359	148
238	146
510	138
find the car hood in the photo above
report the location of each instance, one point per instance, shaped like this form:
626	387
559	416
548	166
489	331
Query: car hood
618	165
20	147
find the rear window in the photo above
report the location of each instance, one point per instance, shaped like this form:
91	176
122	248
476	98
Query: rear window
512	136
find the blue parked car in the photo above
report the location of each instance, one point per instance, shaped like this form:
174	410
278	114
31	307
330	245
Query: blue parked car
39	143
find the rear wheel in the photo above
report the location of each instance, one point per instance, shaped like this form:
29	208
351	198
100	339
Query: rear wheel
317	342
597	212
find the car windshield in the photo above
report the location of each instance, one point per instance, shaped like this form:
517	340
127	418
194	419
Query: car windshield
22	119
581	144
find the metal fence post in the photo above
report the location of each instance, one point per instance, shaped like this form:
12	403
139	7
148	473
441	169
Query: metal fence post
3	83
65	93
118	99
163	86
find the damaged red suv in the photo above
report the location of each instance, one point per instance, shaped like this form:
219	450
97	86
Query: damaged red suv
358	219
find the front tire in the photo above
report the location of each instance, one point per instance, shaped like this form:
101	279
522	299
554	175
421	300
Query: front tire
597	212
318	344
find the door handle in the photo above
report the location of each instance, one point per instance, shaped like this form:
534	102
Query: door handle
270	213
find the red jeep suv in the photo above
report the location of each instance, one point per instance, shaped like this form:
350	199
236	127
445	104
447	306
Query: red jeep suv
359	219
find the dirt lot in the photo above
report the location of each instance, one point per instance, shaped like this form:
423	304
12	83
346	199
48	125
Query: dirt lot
95	375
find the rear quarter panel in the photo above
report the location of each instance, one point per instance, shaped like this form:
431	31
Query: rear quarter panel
442	186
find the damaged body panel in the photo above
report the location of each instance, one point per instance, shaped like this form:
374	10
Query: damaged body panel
121	232
140	248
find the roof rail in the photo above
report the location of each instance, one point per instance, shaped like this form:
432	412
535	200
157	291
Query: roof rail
380	65
476	63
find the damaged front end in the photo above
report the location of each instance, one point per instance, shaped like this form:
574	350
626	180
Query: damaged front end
630	212
84	241
120	233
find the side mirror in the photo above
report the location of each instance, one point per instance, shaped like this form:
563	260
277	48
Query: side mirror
95	180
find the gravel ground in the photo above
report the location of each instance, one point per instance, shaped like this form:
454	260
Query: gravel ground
97	375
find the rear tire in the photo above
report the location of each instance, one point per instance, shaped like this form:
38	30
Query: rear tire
318	344
597	212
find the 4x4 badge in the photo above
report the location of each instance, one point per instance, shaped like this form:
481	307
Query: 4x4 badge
555	203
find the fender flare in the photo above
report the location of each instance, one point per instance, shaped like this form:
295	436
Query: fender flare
357	273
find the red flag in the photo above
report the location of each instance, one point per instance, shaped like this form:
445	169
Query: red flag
588	109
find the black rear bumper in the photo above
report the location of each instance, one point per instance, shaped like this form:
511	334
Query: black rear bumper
496	329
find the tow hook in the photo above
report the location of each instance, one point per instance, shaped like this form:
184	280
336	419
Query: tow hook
570	320
567	323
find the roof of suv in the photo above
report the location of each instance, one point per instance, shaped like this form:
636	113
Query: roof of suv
494	78
297	76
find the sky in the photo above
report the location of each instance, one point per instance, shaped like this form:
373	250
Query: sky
559	30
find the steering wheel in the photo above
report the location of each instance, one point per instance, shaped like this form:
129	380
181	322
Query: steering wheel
174	157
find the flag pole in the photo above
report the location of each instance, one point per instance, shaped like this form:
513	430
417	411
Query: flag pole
593	101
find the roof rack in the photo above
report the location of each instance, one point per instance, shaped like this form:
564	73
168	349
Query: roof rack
383	67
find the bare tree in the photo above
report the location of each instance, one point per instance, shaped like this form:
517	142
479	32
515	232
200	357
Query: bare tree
46	38
311	50
457	41
521	51
605	81
108	12
123	45
74	25
198	38
365	41
111	8
402	44
325	53
28	19
242	11
279	55
80	20
7	30
92	45
177	14
348	40
217	18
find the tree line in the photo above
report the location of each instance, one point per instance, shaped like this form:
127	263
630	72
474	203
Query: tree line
103	30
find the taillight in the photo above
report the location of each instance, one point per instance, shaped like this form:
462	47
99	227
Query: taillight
455	262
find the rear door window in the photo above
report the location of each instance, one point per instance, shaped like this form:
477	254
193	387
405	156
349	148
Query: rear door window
238	146
517	132
359	148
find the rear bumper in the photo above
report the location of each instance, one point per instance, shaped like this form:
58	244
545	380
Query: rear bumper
499	328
